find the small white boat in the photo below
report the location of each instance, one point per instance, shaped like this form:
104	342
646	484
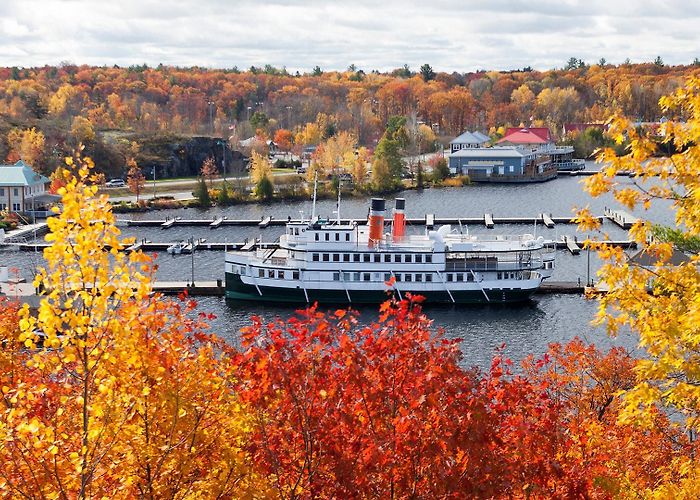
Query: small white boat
178	248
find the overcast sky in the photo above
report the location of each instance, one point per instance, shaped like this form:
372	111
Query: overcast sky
450	35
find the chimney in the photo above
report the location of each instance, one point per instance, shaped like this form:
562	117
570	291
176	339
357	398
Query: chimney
376	222
399	226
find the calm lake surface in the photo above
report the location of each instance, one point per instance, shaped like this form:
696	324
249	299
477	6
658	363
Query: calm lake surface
524	329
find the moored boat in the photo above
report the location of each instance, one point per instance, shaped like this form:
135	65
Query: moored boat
333	262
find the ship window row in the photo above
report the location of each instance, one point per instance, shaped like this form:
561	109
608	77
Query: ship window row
372	257
407	277
510	276
278	274
336	237
459	277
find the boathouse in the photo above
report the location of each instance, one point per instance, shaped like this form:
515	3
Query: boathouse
501	164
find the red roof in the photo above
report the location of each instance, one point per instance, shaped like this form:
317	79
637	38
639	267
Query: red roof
531	135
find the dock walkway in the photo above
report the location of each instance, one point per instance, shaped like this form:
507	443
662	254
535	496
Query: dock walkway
620	217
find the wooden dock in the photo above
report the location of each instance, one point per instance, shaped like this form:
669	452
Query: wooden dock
488	221
621	218
168	223
216	223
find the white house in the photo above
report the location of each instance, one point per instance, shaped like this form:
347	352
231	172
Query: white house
21	188
469	140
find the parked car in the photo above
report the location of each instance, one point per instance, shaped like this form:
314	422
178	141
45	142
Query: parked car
115	183
301	170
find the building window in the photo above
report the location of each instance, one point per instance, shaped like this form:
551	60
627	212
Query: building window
261	273
270	273
419	277
356	257
419	259
470	277
398	277
15	191
3	206
366	257
450	277
280	275
387	258
387	276
346	276
365	277
295	275
347	236
336	276
314	257
460	277
337	236
408	277
326	257
377	257
327	237
356	277
2	191
428	258
15	207
500	276
346	257
408	258
397	257
316	235
428	277
336	257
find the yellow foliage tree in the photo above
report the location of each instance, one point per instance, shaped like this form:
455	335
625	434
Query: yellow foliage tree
82	130
659	302
261	175
122	395
27	144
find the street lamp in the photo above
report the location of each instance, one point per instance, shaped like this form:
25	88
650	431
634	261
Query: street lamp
154	182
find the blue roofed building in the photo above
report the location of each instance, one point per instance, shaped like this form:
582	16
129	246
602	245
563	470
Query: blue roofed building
22	189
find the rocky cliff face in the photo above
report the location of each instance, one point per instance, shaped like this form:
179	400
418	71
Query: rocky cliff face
175	156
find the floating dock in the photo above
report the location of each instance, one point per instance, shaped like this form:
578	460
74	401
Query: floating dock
430	220
547	220
572	245
621	218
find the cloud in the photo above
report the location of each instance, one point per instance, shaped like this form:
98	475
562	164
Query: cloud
449	34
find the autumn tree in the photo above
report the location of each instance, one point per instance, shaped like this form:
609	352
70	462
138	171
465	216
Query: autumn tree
658	301
119	392
135	178
261	176
82	131
27	145
209	170
283	139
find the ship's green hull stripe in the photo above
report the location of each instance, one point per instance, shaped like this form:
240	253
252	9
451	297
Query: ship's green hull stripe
236	289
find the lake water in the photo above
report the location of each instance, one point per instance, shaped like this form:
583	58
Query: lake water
525	329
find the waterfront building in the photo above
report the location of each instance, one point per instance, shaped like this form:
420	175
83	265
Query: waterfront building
22	189
469	140
539	140
502	164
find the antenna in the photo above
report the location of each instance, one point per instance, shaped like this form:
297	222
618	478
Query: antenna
313	206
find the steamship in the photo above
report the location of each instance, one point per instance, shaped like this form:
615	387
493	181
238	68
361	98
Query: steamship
332	262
